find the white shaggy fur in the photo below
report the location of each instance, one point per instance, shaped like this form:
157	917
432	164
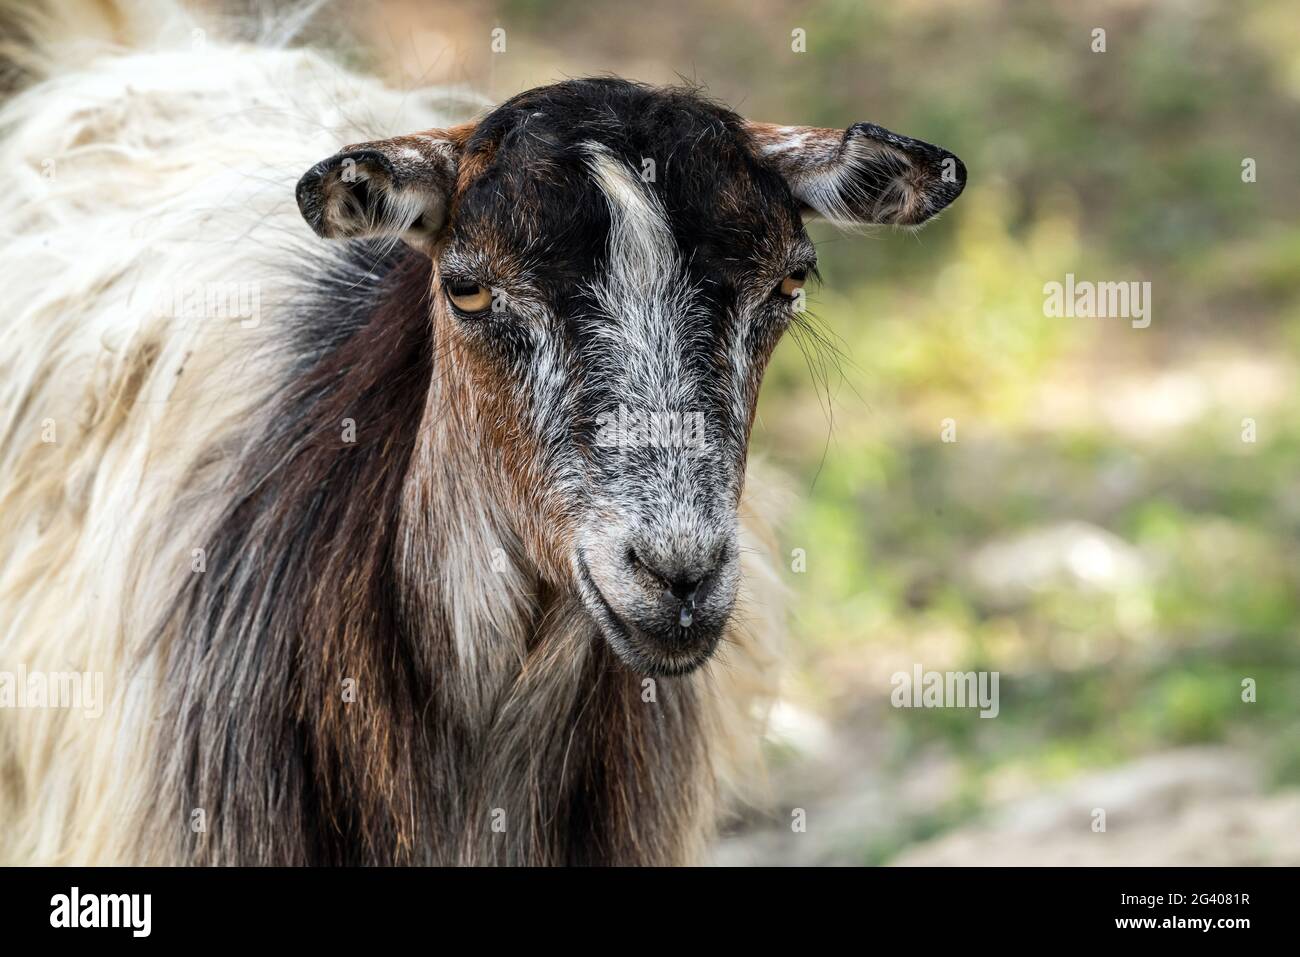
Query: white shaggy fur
151	158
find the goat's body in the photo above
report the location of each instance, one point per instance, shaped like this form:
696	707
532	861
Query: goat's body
484	720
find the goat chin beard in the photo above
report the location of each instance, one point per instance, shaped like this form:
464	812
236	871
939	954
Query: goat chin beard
631	646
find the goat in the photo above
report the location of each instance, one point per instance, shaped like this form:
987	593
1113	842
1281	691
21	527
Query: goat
372	564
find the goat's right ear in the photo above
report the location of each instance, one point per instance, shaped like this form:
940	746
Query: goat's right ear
400	187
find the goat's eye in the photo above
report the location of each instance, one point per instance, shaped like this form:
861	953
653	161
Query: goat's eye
792	283
469	296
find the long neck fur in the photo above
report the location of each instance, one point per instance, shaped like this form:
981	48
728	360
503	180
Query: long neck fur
369	672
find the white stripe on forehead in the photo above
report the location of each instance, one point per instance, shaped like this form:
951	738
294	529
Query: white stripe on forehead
641	249
643	291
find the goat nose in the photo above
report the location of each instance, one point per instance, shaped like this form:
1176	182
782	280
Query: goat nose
684	583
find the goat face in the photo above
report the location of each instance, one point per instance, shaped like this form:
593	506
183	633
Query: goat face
613	265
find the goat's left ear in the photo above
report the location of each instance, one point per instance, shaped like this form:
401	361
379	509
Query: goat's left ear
861	175
399	187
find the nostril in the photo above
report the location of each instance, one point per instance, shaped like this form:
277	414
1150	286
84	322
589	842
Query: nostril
684	589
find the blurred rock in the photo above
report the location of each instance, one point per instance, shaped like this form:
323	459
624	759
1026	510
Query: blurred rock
1195	806
1191	806
1069	555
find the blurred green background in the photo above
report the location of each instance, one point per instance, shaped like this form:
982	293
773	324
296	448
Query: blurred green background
1099	533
